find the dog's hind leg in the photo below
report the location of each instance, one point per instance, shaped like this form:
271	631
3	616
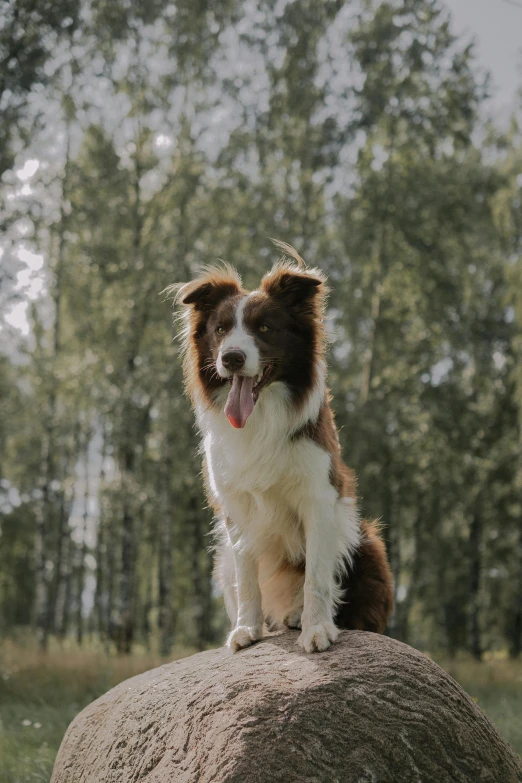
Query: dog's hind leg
282	593
367	586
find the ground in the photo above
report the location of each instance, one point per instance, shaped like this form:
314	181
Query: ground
39	696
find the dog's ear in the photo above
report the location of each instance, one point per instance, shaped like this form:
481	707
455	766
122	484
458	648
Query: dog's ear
294	286
196	296
207	291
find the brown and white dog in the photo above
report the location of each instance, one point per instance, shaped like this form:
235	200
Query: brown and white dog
291	547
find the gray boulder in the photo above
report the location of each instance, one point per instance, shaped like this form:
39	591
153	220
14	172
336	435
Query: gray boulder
368	710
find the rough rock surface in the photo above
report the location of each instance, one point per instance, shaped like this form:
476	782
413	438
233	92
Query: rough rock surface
369	710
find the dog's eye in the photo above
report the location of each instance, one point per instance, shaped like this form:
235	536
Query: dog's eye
220	330
263	328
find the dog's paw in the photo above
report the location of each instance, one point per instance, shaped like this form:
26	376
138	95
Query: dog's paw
293	619
243	636
316	638
273	625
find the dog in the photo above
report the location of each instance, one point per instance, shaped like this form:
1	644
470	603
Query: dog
291	549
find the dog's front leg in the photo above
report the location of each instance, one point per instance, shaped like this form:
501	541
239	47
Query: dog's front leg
249	623
318	627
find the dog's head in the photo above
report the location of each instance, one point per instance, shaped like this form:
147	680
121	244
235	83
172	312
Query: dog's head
246	341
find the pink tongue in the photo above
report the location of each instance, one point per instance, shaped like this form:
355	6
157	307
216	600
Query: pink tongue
240	402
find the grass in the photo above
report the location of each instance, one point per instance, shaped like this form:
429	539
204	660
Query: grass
40	695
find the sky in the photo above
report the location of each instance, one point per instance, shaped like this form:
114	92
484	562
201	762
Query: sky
497	27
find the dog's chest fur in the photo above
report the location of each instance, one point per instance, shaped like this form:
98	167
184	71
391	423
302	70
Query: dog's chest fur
264	478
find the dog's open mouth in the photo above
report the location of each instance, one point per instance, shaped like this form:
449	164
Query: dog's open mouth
243	395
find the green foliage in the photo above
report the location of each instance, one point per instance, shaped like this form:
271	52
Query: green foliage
28	34
177	133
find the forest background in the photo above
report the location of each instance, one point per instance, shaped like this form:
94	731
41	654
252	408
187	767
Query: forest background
139	141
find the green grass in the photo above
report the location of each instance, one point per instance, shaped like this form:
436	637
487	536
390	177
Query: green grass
40	695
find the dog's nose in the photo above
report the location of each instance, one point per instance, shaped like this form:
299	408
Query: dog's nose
233	360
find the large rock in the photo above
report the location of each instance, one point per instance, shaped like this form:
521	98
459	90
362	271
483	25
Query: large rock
369	710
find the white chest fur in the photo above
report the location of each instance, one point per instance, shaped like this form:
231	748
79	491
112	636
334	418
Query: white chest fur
268	483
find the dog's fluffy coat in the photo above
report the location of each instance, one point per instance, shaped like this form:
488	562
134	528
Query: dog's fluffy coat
291	547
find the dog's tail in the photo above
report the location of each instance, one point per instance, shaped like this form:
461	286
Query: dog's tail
367	586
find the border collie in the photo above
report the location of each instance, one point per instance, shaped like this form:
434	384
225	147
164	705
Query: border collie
292	550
